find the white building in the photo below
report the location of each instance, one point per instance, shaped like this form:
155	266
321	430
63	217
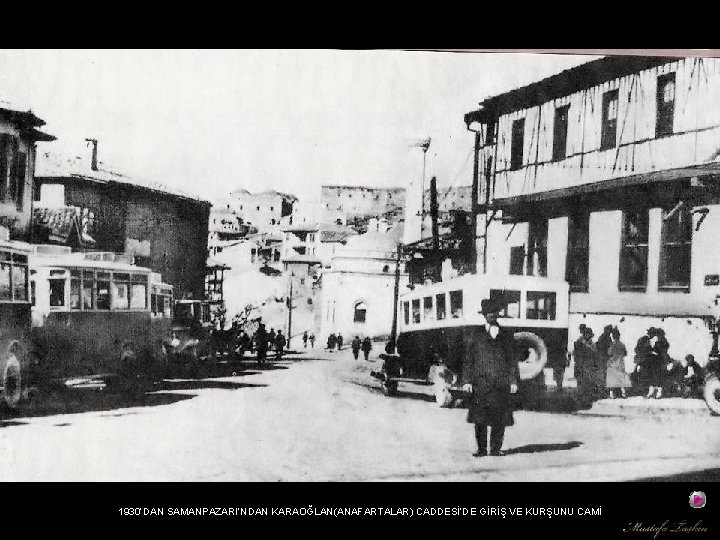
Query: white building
358	289
607	175
261	210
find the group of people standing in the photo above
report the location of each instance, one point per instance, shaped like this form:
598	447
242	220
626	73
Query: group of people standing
601	369
264	340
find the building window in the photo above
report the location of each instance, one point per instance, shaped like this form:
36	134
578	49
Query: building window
665	105
537	248
406	312
560	129
675	250
360	312
577	267
634	250
516	144
608	137
517	259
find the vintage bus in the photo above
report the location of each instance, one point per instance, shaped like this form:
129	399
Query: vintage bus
94	315
15	318
433	319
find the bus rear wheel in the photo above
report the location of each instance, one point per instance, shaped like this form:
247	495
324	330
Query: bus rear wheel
12	382
711	393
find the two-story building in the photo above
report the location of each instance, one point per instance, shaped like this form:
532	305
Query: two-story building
160	227
607	175
18	135
263	210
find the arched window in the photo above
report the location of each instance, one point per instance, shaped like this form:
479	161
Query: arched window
360	312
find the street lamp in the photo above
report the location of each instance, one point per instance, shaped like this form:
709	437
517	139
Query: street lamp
424	144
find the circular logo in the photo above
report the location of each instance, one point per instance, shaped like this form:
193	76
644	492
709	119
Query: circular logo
697	499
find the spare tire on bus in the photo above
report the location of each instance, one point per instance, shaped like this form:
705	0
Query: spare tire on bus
12	381
711	393
532	365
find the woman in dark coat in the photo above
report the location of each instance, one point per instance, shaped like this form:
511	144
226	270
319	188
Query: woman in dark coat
490	374
644	362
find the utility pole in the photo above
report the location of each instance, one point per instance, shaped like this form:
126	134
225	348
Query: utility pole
390	349
290	308
474	205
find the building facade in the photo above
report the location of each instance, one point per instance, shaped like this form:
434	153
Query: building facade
358	289
607	175
163	229
18	135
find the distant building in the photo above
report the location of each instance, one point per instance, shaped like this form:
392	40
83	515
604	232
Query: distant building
18	135
362	201
310	212
225	228
358	288
162	228
261	210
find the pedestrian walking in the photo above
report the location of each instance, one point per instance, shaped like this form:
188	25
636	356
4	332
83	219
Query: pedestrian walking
261	344
355	344
312	340
280	343
271	337
601	361
658	361
339	341
643	359
331	342
490	376
617	379
584	352
366	347
305	340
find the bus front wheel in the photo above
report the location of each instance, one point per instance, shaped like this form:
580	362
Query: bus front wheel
12	382
536	354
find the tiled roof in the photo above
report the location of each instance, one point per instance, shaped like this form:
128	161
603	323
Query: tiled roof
51	165
57	224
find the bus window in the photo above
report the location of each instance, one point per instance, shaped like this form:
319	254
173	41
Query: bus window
440	306
88	290
5	290
102	291
416	311
406	312
20	278
168	306
428	313
119	288
541	305
74	293
510	299
155	300
456	304
32	292
138	296
57	292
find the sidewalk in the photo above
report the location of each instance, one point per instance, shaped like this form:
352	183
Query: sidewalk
639	406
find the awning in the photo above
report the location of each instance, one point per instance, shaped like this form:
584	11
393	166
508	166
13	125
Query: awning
665	175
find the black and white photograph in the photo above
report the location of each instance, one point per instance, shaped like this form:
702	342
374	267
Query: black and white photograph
332	265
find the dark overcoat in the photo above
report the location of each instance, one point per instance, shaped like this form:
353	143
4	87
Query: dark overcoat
490	366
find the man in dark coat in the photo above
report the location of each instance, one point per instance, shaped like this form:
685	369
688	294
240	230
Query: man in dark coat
280	343
600	369
366	347
355	344
339	341
584	352
261	344
490	376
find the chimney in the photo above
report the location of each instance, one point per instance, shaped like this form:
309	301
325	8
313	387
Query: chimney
94	162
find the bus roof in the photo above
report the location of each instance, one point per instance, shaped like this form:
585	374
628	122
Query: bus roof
494	281
78	260
14	244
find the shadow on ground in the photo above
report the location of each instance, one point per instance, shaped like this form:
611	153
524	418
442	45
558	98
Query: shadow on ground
551	447
202	384
705	475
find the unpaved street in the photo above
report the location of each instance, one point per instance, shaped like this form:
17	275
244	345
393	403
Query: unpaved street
325	419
